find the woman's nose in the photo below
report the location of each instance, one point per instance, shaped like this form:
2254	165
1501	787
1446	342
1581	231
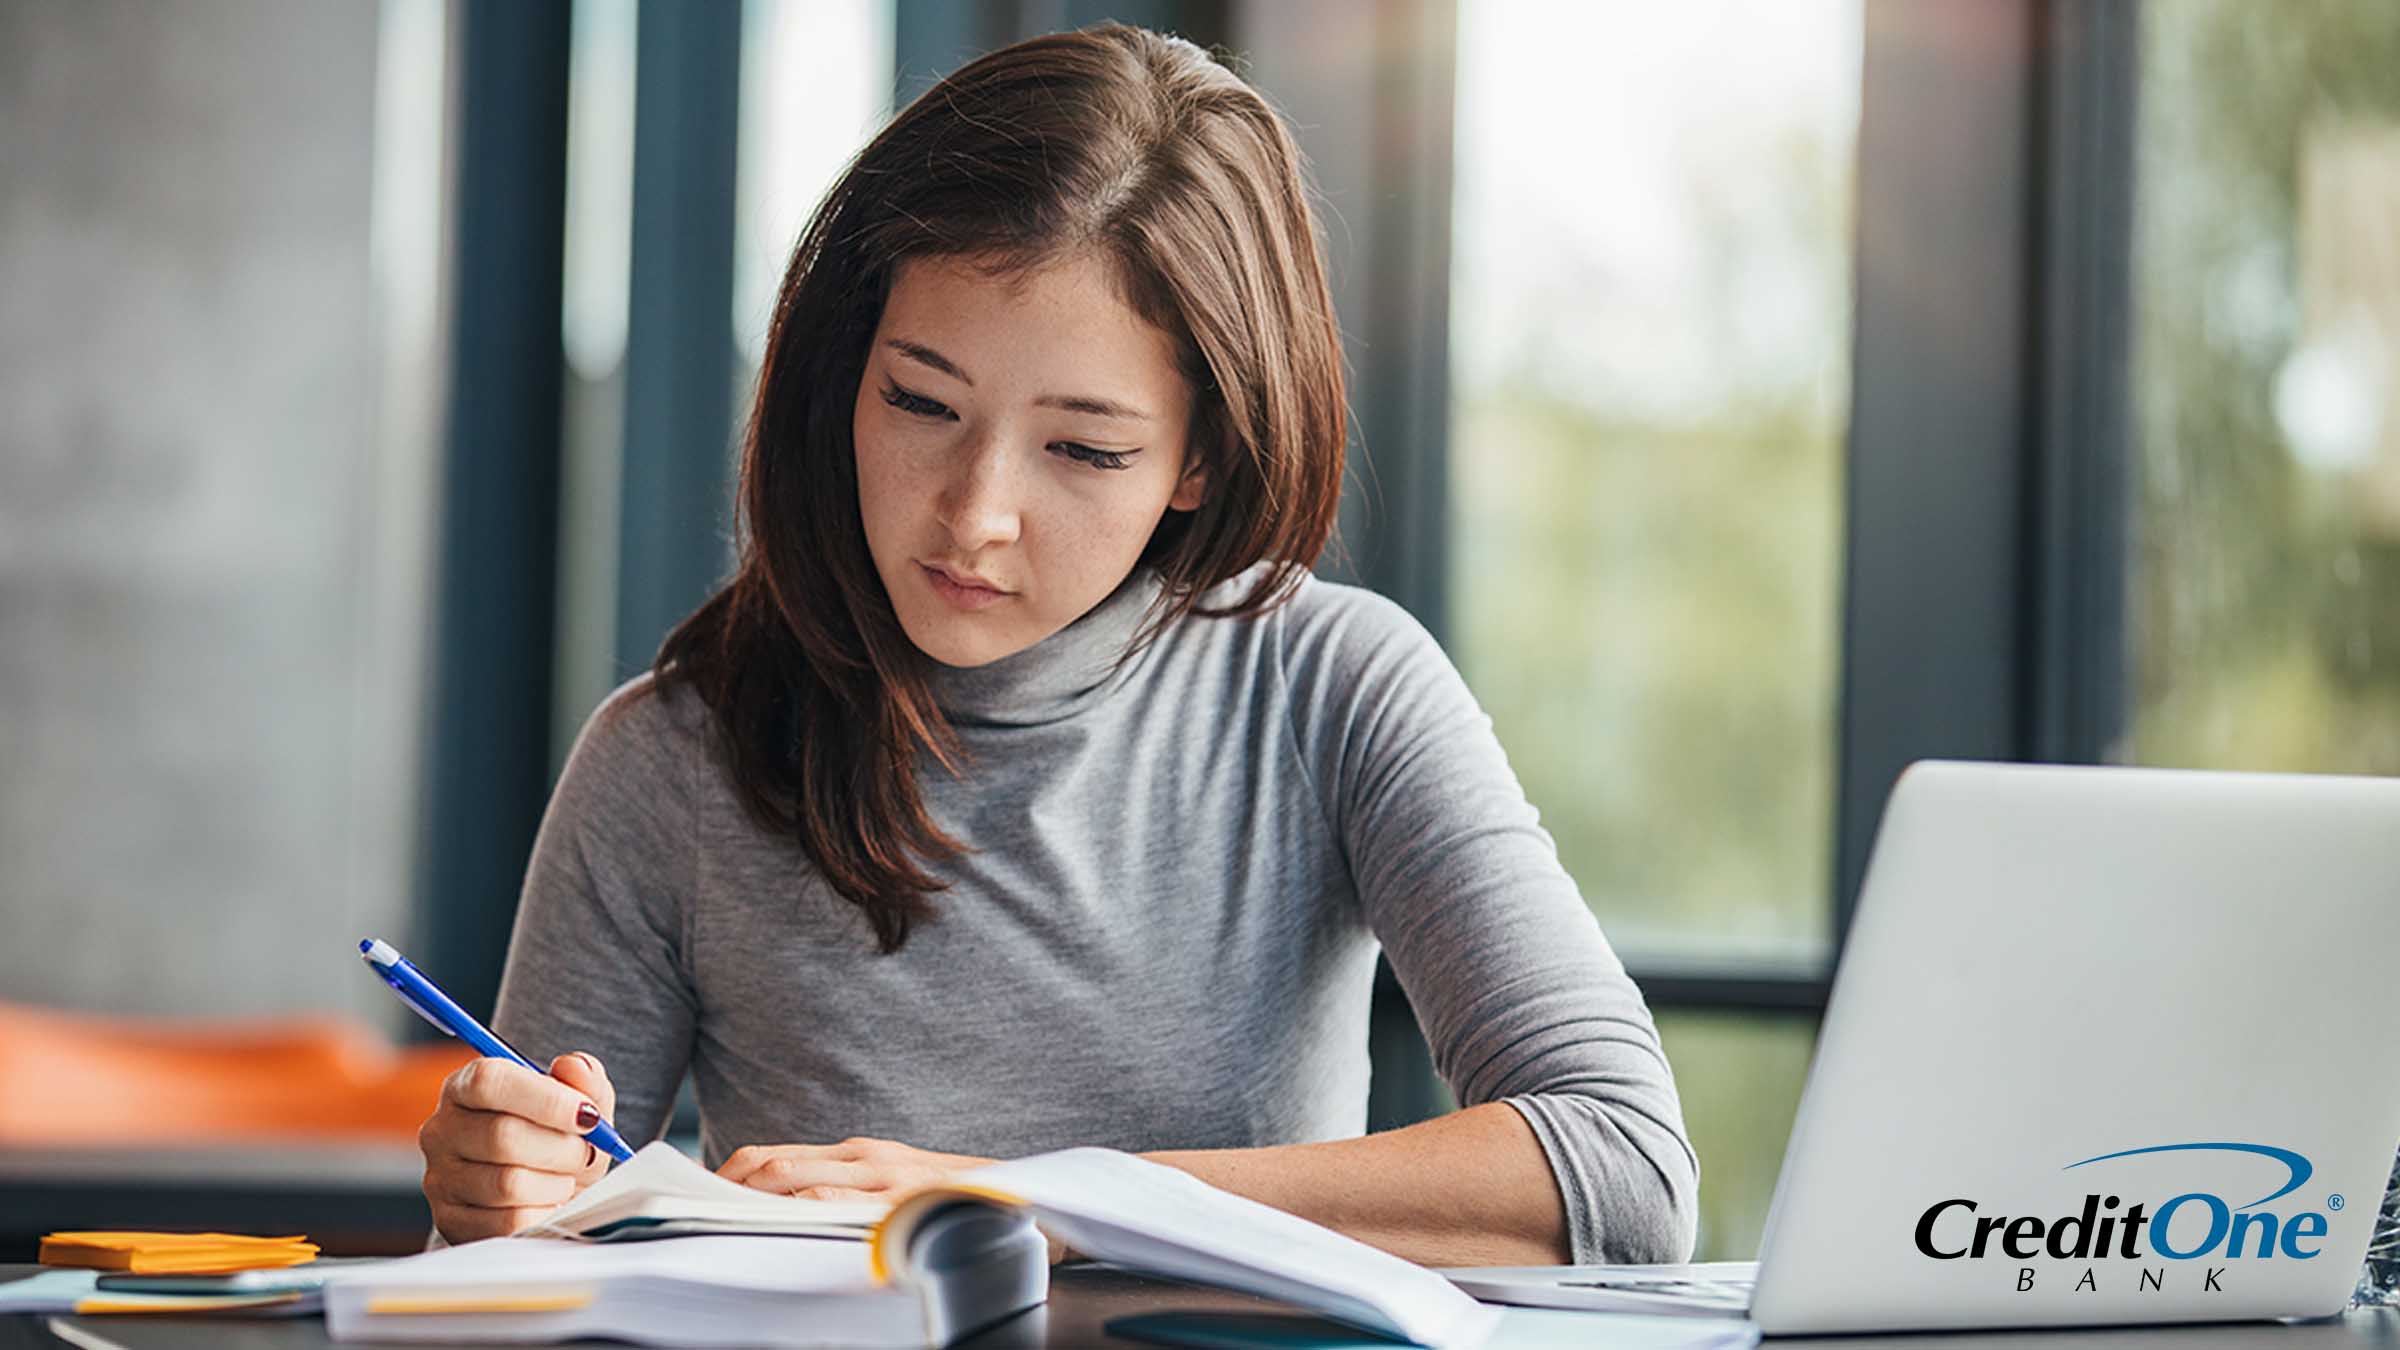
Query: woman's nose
978	505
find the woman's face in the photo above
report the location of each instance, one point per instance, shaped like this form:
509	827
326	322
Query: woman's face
1021	436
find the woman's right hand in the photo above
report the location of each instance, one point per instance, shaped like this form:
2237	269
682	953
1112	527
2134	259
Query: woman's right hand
505	1146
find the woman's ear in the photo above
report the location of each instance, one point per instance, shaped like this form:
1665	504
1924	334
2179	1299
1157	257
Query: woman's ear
1193	490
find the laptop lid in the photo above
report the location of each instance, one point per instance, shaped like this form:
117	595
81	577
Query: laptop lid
2106	1045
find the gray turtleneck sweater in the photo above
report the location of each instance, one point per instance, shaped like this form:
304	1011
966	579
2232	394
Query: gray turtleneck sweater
1165	938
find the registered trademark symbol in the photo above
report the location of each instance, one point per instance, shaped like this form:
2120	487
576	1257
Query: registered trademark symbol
2335	1202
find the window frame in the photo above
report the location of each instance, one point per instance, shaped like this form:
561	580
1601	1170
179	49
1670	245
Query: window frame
676	476
1983	587
486	776
1983	600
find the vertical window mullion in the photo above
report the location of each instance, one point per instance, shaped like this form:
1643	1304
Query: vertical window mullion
1937	579
487	772
676	495
2076	708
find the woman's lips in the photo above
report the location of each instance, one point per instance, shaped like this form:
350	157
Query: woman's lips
963	597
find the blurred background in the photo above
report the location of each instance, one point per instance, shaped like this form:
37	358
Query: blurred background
1752	395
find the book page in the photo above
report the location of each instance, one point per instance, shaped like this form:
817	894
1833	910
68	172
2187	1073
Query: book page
1117	1207
661	1182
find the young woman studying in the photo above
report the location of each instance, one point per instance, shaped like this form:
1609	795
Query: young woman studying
1022	789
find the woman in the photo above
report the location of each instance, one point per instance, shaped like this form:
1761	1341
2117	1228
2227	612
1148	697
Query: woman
1022	789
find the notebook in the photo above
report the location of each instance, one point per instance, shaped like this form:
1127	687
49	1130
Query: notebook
942	1263
660	1192
77	1292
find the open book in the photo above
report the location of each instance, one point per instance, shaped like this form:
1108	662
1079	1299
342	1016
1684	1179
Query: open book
941	1264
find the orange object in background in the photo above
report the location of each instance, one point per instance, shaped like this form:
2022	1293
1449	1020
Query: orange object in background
72	1080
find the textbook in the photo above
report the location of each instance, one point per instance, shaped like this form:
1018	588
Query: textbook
942	1263
662	1193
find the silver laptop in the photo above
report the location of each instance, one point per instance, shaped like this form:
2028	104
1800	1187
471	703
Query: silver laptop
2106	1046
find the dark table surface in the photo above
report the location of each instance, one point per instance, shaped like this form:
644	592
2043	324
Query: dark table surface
353	1200
1083	1298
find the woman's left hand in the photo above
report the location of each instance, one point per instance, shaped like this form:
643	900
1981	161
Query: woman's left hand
854	1169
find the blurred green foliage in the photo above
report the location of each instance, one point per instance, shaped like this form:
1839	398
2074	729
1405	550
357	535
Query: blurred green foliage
1647	599
1646	567
1647	613
1647	592
2265	601
1740	1077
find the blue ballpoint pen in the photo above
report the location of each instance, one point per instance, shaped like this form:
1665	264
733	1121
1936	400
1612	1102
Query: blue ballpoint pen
438	1008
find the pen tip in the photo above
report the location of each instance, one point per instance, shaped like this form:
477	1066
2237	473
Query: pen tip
365	945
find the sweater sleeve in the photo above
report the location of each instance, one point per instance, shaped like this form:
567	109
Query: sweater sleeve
598	959
1520	996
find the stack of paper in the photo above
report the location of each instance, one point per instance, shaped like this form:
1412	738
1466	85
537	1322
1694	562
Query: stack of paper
163	1253
662	1193
696	1291
738	1267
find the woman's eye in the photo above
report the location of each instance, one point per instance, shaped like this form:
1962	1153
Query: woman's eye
913	403
1098	459
920	406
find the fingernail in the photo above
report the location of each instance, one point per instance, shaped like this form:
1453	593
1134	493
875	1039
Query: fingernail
587	1116
588	1061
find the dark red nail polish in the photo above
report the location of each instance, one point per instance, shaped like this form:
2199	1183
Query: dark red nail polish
587	1116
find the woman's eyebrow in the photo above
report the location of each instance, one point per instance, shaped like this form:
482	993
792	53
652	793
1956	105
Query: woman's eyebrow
1082	403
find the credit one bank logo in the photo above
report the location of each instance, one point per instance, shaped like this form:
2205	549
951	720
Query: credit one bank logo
2195	1226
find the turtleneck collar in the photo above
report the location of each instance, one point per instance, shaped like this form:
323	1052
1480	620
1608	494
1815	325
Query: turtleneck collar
1058	676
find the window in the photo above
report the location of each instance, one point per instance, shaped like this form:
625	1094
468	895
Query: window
1651	295
1740	1075
2266	388
1650	360
596	267
816	85
813	79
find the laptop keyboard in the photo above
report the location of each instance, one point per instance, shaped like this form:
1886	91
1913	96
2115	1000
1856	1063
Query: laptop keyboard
1730	1294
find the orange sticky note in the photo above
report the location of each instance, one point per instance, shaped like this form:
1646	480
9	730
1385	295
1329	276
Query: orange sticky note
174	1253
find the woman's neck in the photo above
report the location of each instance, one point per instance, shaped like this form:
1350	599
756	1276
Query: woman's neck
1058	676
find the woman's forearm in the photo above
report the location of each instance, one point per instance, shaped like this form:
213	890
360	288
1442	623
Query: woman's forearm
1471	1188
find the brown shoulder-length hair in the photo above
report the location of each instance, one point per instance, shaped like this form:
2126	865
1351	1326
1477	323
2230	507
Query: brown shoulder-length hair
1125	143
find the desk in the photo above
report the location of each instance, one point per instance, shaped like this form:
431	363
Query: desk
359	1200
1083	1297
